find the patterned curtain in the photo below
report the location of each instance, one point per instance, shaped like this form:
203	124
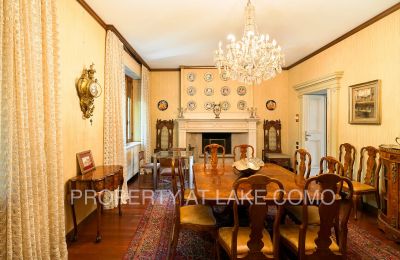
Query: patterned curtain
145	113
114	113
32	221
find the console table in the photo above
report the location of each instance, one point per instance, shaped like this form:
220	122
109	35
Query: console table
389	216
103	178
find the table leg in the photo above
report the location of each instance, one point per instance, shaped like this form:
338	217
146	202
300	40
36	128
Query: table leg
155	173
75	234
119	198
191	185
99	199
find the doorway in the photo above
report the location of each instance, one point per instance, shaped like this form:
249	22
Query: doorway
314	127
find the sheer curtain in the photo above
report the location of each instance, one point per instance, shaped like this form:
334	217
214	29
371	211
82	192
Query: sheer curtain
145	113
114	113
32	222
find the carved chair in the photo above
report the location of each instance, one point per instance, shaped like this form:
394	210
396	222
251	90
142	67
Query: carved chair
332	165
314	241
347	155
144	167
243	148
272	151
213	151
252	242
165	163
164	135
370	184
195	217
301	157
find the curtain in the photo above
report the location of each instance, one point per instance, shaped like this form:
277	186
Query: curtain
32	221
145	113
114	113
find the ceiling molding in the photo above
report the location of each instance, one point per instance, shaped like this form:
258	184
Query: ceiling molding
166	69
348	34
128	48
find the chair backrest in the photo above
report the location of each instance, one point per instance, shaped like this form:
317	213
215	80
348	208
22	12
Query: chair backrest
258	211
347	156
272	136
243	151
213	150
141	156
373	166
302	163
164	135
334	209
332	165
177	177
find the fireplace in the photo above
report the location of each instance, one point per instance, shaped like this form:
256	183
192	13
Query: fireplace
224	139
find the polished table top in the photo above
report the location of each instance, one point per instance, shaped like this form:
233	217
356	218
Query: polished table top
216	185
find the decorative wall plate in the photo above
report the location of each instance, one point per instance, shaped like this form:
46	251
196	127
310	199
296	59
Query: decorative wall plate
162	105
224	76
208	91
225	91
191	76
191	105
241	90
209	105
270	104
191	91
225	105
242	104
208	77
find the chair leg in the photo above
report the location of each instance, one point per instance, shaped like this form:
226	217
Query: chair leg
356	199
378	199
174	242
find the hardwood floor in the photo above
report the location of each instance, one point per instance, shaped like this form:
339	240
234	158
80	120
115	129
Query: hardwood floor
117	232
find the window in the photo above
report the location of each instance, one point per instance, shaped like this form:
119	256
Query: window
132	109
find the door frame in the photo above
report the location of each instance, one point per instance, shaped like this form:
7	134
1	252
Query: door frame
330	83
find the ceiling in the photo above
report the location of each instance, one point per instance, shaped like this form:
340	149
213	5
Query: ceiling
170	33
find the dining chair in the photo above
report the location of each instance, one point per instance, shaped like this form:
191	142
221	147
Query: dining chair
213	151
243	149
347	156
194	217
332	165
143	166
302	163
253	242
317	241
370	184
302	167
165	163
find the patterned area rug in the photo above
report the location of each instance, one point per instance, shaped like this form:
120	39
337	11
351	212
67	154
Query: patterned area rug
154	231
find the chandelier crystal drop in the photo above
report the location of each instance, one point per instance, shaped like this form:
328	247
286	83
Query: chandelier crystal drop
252	59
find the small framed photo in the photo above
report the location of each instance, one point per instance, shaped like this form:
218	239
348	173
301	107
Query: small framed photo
365	103
85	161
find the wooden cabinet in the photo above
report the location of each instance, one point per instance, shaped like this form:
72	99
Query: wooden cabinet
389	215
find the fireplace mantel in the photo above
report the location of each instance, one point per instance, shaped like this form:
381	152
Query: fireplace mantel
214	125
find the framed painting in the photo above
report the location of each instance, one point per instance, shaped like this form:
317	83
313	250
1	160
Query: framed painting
365	103
85	161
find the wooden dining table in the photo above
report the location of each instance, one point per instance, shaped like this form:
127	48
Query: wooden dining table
215	185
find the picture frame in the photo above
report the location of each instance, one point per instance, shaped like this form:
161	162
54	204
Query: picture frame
365	103
85	161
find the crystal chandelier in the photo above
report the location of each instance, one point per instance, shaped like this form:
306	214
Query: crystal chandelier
254	58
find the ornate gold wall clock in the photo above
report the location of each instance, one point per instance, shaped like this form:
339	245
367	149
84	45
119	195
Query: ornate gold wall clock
88	89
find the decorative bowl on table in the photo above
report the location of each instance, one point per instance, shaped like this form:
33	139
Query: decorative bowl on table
246	167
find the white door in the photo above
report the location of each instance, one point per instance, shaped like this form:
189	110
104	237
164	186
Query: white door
314	128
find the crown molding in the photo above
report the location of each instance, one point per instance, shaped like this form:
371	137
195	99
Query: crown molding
348	34
128	48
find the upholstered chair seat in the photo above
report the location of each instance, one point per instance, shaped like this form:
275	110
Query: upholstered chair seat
225	235
297	213
291	234
197	215
150	165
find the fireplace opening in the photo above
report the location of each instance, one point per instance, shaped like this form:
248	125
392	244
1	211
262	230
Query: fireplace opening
224	139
